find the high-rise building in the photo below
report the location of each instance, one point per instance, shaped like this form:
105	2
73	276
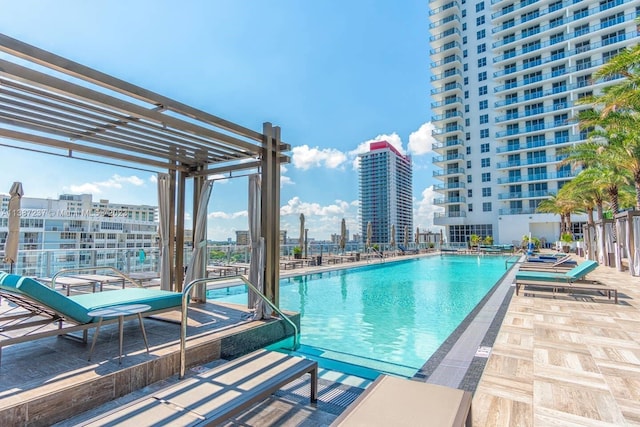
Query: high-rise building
74	231
506	78
386	192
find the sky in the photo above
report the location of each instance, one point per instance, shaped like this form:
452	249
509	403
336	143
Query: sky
333	74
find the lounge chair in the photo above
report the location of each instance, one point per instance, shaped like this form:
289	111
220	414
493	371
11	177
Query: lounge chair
573	279
576	273
37	305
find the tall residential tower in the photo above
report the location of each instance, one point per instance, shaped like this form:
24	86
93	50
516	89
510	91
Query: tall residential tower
386	192
506	78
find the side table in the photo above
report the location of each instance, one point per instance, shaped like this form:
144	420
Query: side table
119	311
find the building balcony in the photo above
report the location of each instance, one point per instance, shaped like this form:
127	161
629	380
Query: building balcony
449	200
533	161
533	128
537	177
538	144
452	88
446	63
448	102
447	35
446	116
534	112
448	145
454	75
449	186
447	158
449	218
517	211
525	195
449	172
451	6
449	21
448	131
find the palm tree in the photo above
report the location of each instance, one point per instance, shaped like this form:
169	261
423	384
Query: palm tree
624	95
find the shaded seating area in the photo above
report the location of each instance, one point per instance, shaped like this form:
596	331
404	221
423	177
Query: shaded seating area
36	306
573	279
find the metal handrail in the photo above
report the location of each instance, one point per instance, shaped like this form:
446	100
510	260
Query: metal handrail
510	259
120	274
185	306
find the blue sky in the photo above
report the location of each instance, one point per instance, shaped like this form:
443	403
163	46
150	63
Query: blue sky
333	74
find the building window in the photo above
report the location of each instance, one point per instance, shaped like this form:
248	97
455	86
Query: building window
480	20
486	192
482	76
486	162
466	94
486	177
482	48
484	148
468	150
484	133
486	207
481	34
469	192
484	104
467	122
482	90
468	164
480	6
470	207
466	80
469	179
482	62
484	118
466	108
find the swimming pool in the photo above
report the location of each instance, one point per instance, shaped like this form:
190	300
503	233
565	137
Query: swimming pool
387	317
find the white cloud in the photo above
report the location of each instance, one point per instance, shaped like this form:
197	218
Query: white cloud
420	141
305	157
285	180
226	215
424	210
116	181
393	139
153	179
296	206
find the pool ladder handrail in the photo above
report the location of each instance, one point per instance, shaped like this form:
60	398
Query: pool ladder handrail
510	259
245	281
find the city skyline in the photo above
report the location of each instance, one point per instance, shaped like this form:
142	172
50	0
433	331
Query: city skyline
341	82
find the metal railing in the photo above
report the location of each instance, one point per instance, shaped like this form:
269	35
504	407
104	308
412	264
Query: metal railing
511	260
185	306
118	273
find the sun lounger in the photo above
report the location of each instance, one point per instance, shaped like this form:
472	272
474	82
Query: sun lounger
397	402
37	305
573	279
213	396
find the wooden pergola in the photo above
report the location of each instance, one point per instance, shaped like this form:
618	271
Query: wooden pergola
52	104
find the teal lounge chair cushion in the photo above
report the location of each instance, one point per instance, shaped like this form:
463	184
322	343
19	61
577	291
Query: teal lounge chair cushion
576	273
46	296
155	298
76	307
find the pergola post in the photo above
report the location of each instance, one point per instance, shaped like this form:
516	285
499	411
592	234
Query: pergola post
270	224
180	196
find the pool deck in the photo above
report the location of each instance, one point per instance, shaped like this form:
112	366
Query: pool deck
531	360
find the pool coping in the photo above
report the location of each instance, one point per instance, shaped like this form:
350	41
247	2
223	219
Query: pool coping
474	365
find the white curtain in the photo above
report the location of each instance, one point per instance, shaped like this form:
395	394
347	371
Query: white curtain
621	231
164	195
256	265
636	247
608	240
196	267
600	240
13	235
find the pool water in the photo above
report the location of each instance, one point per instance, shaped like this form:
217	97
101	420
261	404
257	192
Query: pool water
388	317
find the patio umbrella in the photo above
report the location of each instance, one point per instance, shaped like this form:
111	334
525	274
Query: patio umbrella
301	241
343	235
406	236
369	233
256	265
13	236
196	268
392	242
164	195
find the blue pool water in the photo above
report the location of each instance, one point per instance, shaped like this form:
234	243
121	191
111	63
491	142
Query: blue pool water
385	317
